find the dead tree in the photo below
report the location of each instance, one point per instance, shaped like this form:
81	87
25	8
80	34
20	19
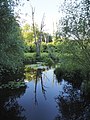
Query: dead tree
37	42
34	31
41	35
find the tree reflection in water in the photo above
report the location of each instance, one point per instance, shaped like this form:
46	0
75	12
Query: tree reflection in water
71	106
39	77
9	107
36	74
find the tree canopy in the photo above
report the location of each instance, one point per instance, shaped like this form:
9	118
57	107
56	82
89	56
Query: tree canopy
11	45
74	27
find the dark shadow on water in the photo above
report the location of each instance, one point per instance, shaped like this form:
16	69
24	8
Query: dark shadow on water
8	75
75	77
71	106
9	107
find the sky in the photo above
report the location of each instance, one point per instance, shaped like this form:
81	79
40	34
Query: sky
48	7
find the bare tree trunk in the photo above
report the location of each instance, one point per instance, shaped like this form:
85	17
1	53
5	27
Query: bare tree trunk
37	42
38	50
34	31
41	35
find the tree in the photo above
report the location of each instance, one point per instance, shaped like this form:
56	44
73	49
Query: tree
27	34
75	29
11	45
39	40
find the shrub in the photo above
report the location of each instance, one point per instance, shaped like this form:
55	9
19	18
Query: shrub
32	47
29	58
44	47
51	46
44	57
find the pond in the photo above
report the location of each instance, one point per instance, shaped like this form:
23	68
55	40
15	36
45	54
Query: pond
44	99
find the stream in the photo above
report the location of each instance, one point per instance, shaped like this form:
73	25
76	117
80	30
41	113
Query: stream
44	99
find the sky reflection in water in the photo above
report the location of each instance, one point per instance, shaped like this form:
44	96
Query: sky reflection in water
46	99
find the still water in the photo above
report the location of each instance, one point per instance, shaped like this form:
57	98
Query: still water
44	99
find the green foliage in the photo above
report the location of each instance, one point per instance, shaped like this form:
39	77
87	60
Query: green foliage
75	54
49	62
47	47
29	58
52	51
13	85
51	46
75	23
27	34
48	53
44	56
11	45
44	47
74	29
32	47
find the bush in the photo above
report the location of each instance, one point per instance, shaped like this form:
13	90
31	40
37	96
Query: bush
11	44
44	47
29	58
44	57
30	48
51	46
8	75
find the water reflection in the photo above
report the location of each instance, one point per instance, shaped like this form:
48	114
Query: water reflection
44	99
36	75
39	78
71	106
9	107
7	75
74	77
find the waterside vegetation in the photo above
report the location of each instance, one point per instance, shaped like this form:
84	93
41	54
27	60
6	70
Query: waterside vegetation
68	48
